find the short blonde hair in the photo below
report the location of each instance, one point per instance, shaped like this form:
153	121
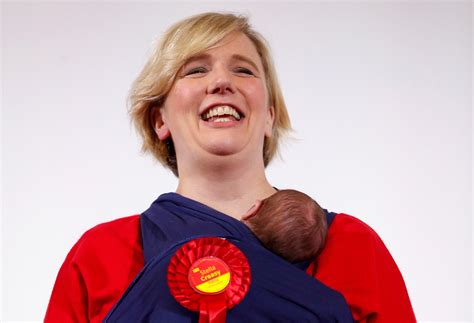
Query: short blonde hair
183	40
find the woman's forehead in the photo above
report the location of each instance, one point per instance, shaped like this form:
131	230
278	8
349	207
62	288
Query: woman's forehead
235	46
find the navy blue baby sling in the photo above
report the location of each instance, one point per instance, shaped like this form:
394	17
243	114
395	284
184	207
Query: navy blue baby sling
279	291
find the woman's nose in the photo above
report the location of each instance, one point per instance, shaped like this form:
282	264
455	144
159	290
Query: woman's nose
221	82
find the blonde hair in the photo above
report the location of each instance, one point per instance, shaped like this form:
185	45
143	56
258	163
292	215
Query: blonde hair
183	40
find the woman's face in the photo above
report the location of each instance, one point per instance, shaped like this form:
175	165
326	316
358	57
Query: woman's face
218	105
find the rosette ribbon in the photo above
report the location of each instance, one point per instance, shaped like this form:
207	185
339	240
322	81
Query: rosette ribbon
209	276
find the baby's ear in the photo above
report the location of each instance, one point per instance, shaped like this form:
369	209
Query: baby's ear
252	211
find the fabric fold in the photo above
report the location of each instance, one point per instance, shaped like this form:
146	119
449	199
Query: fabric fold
280	291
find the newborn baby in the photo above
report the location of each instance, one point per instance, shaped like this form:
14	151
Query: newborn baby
290	224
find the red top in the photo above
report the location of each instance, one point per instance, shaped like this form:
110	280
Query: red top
355	262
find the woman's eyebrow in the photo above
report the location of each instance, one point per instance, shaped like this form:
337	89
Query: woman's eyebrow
197	58
234	57
238	57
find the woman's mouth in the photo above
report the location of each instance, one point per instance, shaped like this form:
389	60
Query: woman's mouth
221	113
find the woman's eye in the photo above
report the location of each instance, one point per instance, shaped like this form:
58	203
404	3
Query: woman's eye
196	70
244	70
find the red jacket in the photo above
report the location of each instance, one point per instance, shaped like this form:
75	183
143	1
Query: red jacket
354	261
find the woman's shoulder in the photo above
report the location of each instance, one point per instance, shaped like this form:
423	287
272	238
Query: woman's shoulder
356	262
110	238
350	227
118	227
97	271
351	240
349	234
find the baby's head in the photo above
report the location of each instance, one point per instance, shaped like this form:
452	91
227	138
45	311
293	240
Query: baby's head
289	223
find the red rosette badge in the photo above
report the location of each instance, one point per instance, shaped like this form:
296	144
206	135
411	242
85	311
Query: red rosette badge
209	276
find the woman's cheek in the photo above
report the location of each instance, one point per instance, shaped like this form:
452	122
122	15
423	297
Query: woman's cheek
257	93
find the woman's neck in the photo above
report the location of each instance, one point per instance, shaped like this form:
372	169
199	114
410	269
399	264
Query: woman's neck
230	190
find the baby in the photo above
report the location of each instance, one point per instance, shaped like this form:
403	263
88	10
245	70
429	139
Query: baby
290	224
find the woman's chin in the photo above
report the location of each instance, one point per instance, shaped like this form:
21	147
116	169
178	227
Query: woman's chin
221	148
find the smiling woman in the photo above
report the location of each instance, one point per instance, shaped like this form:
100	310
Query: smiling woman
199	110
209	107
192	49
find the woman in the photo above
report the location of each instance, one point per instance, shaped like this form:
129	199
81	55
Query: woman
209	107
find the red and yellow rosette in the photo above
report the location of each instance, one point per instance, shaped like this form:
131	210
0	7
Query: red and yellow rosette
209	276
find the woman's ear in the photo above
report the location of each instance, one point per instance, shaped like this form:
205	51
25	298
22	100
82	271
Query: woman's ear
270	121
161	129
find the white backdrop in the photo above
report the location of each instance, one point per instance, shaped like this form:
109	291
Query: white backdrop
380	98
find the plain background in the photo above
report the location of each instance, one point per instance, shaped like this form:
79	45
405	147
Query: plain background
380	99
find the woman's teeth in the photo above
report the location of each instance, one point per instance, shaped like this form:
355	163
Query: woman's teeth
221	120
221	111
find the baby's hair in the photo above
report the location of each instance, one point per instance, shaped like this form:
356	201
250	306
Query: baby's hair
291	224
